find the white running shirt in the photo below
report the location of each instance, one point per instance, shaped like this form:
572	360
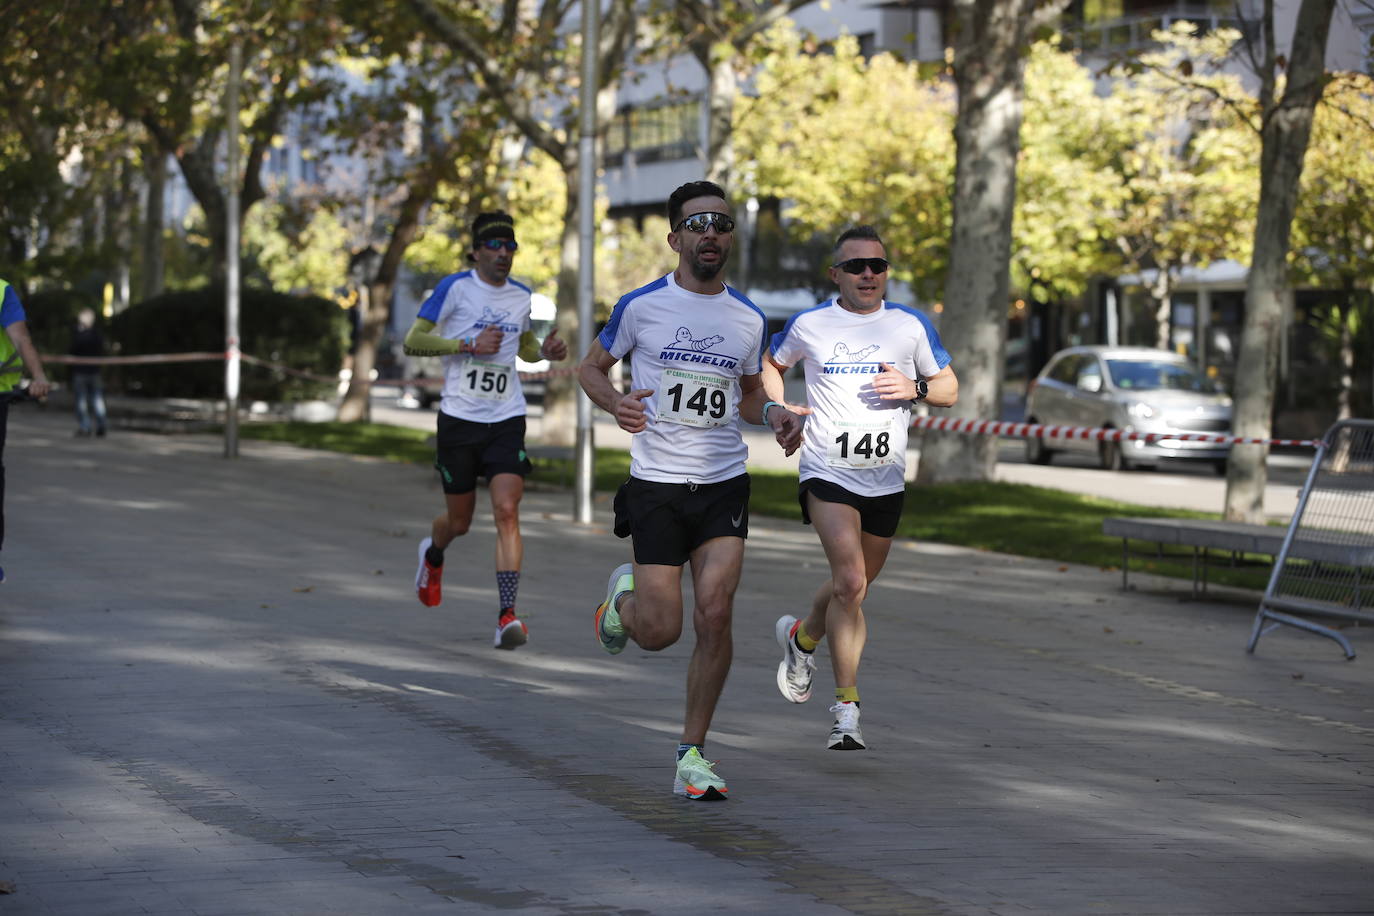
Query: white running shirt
484	389
852	437
691	350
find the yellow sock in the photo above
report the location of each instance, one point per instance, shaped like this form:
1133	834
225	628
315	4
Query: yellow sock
804	640
846	694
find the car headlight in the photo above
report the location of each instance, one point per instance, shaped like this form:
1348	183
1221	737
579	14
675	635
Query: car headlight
1140	410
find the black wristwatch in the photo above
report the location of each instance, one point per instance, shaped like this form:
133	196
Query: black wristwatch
922	389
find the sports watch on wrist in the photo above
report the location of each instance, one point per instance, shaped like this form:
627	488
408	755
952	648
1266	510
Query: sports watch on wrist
921	390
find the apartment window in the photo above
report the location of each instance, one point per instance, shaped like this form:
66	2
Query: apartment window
654	134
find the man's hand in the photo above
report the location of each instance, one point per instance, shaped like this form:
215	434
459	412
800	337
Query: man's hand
488	342
891	385
39	388
786	422
554	347
629	413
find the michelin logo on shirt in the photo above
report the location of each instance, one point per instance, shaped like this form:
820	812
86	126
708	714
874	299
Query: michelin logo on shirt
493	319
845	361
687	349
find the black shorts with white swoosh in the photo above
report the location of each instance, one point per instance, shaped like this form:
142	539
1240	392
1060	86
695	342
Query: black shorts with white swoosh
667	521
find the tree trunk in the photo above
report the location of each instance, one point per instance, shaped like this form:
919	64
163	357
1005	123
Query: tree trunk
154	263
1286	128
562	391
1162	291
720	145
988	72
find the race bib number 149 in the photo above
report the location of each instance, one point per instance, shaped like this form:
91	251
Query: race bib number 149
694	399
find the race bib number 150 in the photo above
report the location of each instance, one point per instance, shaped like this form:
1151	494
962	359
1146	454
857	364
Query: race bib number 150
694	399
489	381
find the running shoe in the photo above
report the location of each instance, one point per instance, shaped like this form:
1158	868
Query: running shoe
428	578
797	668
845	734
510	632
609	632
697	779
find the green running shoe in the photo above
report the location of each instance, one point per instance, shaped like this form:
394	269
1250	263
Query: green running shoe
608	629
697	779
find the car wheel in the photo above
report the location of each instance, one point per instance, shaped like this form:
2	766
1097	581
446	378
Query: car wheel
1036	453
1220	467
1110	457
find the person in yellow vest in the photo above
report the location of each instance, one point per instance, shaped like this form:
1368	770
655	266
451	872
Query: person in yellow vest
15	346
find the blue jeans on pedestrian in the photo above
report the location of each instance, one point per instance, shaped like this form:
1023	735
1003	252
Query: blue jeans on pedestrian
90	402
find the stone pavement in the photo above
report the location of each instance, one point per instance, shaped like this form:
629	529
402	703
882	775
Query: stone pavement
220	696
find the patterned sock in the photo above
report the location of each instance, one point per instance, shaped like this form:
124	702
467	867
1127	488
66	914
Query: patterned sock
847	695
682	749
434	556
507	583
802	639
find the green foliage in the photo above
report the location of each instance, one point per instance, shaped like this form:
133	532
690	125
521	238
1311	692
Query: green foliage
294	245
845	140
305	333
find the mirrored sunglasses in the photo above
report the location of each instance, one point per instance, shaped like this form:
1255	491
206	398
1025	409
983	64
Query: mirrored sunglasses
857	265
497	244
700	222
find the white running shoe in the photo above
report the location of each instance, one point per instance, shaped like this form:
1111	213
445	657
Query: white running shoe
696	778
797	668
845	734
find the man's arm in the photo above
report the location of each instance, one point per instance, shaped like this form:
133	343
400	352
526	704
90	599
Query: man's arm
594	376
422	341
19	336
942	388
766	390
553	348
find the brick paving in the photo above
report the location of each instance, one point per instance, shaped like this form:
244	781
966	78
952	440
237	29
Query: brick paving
218	695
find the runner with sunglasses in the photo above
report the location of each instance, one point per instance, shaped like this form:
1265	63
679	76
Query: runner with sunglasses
867	361
479	321
698	347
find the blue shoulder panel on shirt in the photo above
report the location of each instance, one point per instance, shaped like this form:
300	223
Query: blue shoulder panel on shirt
937	349
607	336
11	310
519	284
429	309
763	343
781	337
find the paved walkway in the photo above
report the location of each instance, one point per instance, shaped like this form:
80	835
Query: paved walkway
220	696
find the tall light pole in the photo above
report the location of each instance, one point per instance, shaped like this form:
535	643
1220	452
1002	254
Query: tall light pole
586	250
231	267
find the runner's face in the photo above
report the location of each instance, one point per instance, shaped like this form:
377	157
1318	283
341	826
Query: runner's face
703	254
860	292
493	266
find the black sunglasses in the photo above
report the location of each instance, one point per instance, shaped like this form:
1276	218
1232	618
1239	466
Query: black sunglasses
497	244
700	222
857	265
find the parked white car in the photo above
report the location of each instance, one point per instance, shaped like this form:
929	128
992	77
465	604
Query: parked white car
1134	389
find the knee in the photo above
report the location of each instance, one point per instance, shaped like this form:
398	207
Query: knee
506	514
851	586
712	620
458	525
657	634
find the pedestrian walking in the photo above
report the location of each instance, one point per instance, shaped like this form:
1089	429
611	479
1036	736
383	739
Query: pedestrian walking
87	386
15	347
478	320
697	348
867	361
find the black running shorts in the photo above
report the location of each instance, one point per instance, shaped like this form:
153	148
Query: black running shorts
467	450
878	515
667	521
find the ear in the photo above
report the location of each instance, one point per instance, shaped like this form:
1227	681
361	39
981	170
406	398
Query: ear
673	241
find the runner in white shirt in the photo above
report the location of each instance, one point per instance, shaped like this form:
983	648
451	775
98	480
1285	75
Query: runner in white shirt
866	360
698	348
479	321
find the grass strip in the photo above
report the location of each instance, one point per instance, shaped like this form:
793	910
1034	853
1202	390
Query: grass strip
1005	517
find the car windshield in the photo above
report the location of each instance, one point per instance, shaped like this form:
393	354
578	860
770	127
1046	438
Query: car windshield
1154	374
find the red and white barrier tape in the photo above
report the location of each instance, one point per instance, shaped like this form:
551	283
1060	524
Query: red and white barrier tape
1088	433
